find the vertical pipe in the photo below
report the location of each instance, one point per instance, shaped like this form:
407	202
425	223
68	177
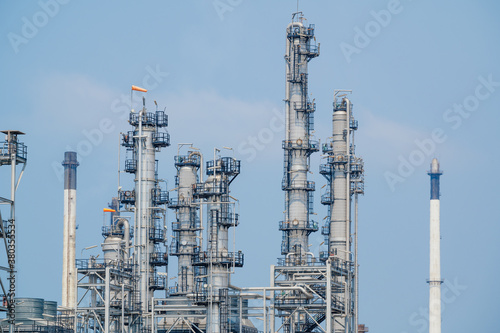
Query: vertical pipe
69	278
348	181
139	221
241	313
123	309
264	314
272	314
12	144
153	329
329	296
106	301
356	294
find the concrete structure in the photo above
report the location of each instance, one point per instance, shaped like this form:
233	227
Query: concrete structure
435	256
70	164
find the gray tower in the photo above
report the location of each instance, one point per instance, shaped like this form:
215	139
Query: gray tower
70	164
298	144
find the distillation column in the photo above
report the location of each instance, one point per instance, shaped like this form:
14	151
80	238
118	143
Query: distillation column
187	225
298	146
217	262
344	172
70	164
149	200
435	260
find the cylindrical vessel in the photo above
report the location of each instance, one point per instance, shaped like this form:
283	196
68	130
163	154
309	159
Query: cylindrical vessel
50	310
435	252
29	309
112	249
69	277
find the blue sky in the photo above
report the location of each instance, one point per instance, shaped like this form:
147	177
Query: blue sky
415	67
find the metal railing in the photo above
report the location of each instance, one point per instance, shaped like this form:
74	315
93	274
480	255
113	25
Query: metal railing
226	165
161	119
211	188
157	283
94	263
338	158
114	230
161	139
327	198
304	106
130	165
312	145
176	203
157	233
128	139
6	149
298	225
158	258
127	197
159	196
229	259
305	185
191	159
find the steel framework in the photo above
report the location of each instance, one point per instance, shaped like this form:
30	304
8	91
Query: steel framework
12	152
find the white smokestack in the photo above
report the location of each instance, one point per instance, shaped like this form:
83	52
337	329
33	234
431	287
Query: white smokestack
435	244
70	164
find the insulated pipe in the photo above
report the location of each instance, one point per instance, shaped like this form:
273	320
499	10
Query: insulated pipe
348	178
70	164
339	185
186	236
126	236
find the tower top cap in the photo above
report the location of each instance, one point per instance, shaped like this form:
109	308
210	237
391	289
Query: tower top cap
435	166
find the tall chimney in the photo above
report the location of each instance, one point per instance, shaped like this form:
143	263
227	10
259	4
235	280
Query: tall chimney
435	244
70	164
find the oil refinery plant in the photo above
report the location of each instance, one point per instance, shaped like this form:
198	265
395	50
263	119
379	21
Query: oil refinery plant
126	288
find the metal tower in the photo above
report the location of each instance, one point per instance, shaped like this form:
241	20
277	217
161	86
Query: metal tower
186	228
203	300
120	287
303	281
344	173
316	294
12	152
150	229
298	145
217	262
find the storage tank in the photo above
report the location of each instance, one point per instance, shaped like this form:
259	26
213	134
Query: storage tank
29	309
50	310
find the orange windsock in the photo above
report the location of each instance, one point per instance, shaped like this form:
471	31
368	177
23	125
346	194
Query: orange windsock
136	88
108	210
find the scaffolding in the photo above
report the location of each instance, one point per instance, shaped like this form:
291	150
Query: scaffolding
13	153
